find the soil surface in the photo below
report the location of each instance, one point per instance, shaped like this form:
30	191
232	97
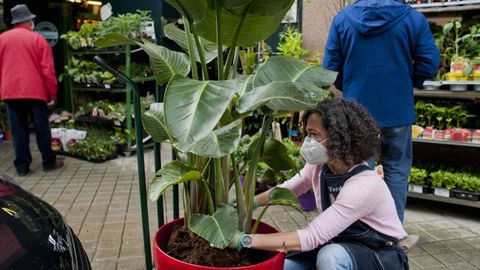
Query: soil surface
188	247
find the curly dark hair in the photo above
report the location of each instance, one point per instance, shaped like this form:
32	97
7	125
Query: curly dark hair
352	132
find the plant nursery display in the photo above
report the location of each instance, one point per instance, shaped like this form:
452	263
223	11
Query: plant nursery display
202	118
96	96
446	121
458	42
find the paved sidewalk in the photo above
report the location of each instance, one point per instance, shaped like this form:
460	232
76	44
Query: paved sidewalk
101	203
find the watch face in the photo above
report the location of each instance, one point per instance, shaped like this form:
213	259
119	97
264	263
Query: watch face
247	241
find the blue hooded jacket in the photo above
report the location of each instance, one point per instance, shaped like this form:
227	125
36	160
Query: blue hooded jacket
382	49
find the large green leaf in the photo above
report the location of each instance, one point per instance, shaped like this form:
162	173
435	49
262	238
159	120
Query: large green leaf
194	108
284	68
218	229
193	10
173	173
154	122
283	196
262	18
218	143
281	96
113	39
178	35
275	155
166	63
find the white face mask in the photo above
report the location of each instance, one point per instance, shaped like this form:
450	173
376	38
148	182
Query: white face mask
314	152
33	25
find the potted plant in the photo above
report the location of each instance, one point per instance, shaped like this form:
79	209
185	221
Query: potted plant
202	119
416	180
468	187
443	182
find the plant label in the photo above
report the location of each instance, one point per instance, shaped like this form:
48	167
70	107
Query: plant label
415	188
442	192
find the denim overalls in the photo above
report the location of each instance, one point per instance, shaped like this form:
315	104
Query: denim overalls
369	249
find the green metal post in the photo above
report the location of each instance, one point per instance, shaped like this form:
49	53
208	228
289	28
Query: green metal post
176	212
158	164
128	100
140	158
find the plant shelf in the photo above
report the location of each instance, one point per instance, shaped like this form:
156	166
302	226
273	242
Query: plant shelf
463	144
98	89
435	198
463	95
98	120
87	52
450	6
144	79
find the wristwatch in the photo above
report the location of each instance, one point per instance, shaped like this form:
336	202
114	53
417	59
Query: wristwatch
246	241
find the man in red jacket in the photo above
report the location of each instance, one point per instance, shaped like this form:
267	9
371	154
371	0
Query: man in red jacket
27	83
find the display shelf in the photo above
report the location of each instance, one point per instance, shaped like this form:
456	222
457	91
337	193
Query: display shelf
98	89
462	144
97	120
463	95
436	198
95	52
144	79
450	6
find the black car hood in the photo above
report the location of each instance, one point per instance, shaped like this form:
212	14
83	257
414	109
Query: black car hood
33	234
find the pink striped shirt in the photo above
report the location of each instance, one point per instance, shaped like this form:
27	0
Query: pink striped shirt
364	197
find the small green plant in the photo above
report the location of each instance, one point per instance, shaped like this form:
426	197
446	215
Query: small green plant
468	182
417	176
291	44
443	179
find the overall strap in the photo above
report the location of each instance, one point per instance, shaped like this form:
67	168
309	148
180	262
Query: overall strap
326	173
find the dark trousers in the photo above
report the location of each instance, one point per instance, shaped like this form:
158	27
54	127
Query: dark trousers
18	115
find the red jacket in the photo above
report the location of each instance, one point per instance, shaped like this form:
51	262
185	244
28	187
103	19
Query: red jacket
27	70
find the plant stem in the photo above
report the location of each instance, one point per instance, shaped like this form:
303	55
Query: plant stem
191	53
218	33
235	41
219	181
259	218
241	207
201	54
251	172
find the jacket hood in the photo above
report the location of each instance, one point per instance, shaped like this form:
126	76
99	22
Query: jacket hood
373	17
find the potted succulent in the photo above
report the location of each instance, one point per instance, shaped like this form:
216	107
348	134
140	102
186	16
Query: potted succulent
443	182
416	180
202	119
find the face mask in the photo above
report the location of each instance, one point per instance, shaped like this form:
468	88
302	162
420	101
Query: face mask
314	152
33	25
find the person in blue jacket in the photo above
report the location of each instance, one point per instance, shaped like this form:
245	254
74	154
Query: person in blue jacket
382	49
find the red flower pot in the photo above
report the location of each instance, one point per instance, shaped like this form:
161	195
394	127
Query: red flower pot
165	262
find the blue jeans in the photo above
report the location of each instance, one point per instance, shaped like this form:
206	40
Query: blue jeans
18	112
397	161
329	257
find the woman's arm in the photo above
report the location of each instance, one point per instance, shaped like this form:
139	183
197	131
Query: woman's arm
283	241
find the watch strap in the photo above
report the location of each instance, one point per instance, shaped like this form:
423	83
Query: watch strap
239	243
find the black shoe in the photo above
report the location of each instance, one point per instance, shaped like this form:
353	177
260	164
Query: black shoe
22	174
57	165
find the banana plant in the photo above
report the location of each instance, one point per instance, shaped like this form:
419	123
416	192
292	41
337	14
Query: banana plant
202	117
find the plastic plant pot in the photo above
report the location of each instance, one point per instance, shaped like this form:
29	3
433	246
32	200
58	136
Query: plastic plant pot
432	85
307	201
457	85
274	260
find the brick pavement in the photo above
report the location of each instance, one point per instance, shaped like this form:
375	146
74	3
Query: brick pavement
101	203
